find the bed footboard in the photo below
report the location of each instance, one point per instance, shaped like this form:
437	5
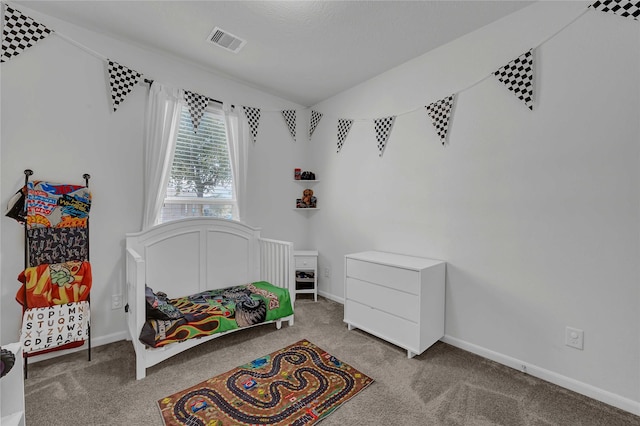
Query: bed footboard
135	306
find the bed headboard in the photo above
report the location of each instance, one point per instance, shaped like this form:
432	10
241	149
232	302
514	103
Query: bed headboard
196	254
191	255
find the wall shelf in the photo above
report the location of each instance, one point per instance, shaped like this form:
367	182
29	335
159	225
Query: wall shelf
308	184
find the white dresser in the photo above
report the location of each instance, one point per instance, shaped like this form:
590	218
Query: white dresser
395	297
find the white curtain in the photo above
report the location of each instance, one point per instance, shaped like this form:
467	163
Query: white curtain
161	124
238	134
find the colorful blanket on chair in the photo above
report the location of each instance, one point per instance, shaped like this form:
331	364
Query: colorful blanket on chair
212	311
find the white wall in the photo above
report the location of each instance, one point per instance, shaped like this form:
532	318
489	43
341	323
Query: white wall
273	191
56	120
535	212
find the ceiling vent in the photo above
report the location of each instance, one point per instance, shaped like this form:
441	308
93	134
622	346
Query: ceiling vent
226	40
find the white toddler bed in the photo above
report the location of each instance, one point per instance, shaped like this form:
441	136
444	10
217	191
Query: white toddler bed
188	256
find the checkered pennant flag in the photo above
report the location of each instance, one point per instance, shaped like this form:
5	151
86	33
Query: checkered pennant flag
626	8
315	119
517	75
344	125
253	115
20	33
440	114
197	104
121	80
289	116
383	130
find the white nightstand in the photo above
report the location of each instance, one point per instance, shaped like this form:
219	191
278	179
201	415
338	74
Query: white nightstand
306	262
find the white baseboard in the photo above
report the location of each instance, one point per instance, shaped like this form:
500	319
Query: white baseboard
331	297
598	394
96	341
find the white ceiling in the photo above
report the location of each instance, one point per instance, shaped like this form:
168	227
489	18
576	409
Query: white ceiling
302	51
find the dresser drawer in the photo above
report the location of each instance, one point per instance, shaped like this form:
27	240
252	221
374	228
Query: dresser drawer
386	299
398	278
308	262
388	327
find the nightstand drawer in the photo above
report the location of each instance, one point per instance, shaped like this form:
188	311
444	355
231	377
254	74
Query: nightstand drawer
306	262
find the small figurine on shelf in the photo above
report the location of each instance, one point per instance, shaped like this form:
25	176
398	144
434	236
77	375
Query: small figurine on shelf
308	200
306	175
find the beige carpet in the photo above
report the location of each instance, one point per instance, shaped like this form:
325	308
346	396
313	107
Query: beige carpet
443	386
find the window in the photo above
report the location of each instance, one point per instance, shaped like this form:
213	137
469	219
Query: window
201	178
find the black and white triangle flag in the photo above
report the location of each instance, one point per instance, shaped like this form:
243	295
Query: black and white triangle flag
517	75
626	8
253	116
344	125
289	116
121	81
20	32
440	114
197	104
315	119
383	130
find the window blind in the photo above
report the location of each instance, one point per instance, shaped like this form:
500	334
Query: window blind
201	166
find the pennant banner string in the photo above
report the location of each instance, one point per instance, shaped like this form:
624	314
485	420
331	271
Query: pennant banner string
19	32
99	55
418	108
197	105
490	75
313	122
289	116
82	46
624	8
564	27
105	59
121	81
535	47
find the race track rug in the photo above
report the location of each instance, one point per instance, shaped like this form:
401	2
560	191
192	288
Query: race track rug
298	385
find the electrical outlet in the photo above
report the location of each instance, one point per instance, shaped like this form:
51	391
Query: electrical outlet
574	337
327	271
116	301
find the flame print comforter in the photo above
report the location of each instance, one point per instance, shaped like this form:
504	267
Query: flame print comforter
214	311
